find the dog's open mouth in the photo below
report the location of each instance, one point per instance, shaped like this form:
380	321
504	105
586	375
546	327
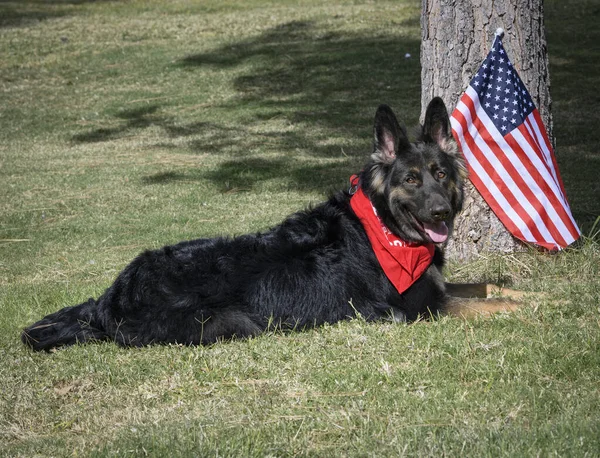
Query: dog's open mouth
437	232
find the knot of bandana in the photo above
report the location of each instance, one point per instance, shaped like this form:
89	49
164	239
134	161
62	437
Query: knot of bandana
402	262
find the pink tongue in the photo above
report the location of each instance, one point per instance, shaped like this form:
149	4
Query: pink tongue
437	232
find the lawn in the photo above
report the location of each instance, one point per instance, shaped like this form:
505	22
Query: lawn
127	125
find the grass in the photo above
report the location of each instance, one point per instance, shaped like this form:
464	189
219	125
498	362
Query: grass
130	125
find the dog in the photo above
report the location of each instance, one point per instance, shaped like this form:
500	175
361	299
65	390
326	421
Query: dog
374	251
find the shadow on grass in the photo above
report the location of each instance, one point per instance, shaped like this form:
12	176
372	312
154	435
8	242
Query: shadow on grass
134	119
321	87
318	77
16	13
325	85
141	118
243	174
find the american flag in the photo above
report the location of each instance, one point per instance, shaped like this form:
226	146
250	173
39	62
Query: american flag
509	156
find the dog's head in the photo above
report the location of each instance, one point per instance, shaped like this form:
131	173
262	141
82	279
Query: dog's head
417	188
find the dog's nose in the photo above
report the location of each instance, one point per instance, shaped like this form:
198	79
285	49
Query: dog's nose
440	212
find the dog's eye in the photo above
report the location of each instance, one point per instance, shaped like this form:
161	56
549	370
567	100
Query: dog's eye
411	180
441	175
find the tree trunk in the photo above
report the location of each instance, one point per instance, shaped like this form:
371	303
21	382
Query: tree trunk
456	37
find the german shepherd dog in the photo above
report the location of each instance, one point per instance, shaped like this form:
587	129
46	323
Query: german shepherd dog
317	266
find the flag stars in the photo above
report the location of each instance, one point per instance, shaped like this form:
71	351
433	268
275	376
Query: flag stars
501	92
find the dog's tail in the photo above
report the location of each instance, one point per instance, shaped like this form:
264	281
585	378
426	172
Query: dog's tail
68	326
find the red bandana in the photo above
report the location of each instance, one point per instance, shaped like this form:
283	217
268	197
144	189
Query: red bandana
402	262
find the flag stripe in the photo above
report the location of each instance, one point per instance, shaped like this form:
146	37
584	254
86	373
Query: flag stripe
533	139
529	138
550	206
549	191
540	132
485	183
494	159
488	190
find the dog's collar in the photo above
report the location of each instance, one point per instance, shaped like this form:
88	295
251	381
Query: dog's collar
402	262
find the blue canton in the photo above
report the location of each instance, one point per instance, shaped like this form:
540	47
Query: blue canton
501	92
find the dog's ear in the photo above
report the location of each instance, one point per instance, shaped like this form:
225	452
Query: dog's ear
436	128
389	136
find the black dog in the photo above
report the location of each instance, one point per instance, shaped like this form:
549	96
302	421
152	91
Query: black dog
318	266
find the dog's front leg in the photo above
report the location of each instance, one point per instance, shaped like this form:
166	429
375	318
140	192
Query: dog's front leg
481	290
473	307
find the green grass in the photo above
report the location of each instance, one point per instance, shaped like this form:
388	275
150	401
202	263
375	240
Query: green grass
130	125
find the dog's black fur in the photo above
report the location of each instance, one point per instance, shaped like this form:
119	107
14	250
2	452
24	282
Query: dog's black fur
316	267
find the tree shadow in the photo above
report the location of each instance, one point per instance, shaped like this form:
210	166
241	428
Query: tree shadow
320	86
243	175
325	84
16	13
141	118
137	118
325	76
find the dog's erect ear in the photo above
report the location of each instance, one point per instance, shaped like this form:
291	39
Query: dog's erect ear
390	137
437	123
437	129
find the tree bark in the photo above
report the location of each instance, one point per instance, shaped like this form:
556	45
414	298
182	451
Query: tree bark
456	37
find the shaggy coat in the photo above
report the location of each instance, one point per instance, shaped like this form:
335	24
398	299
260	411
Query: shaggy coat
316	267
